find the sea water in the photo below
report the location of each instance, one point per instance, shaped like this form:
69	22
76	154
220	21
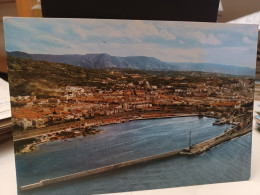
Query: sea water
117	143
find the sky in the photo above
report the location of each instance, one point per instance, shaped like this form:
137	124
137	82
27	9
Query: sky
168	41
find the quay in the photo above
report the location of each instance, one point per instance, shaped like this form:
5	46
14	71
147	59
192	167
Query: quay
192	150
100	170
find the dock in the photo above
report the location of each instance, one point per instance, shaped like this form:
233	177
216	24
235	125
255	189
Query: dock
101	170
191	151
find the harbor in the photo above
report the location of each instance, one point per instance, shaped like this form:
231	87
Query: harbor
28	141
190	151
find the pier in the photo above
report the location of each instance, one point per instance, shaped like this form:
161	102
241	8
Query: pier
192	150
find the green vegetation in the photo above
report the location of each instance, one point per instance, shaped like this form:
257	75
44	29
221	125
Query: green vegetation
18	145
43	79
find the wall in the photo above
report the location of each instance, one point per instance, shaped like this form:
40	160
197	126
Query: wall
7	8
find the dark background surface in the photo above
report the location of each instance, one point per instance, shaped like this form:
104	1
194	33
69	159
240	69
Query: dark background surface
178	10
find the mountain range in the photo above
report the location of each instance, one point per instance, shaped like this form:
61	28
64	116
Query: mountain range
103	60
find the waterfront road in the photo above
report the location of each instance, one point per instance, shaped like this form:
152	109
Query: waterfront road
27	134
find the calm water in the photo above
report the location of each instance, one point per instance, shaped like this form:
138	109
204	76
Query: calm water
127	141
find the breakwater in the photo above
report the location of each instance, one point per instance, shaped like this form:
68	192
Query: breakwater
202	147
100	170
196	149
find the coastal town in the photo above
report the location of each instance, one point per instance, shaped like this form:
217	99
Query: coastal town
76	110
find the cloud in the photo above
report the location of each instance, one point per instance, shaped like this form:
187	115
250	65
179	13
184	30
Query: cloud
166	35
222	36
78	30
167	41
247	40
205	39
134	30
237	56
181	42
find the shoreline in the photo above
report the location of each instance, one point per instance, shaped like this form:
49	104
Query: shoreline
194	150
74	133
40	131
55	136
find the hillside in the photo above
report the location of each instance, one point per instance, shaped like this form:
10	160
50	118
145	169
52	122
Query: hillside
100	61
43	79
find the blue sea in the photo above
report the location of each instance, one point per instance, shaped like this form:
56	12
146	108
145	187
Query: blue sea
227	162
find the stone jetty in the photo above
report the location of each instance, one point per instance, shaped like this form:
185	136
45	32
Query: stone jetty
192	150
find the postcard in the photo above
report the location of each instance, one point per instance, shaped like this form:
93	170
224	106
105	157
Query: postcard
104	106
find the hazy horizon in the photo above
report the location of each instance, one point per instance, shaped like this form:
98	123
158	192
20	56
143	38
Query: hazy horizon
173	63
